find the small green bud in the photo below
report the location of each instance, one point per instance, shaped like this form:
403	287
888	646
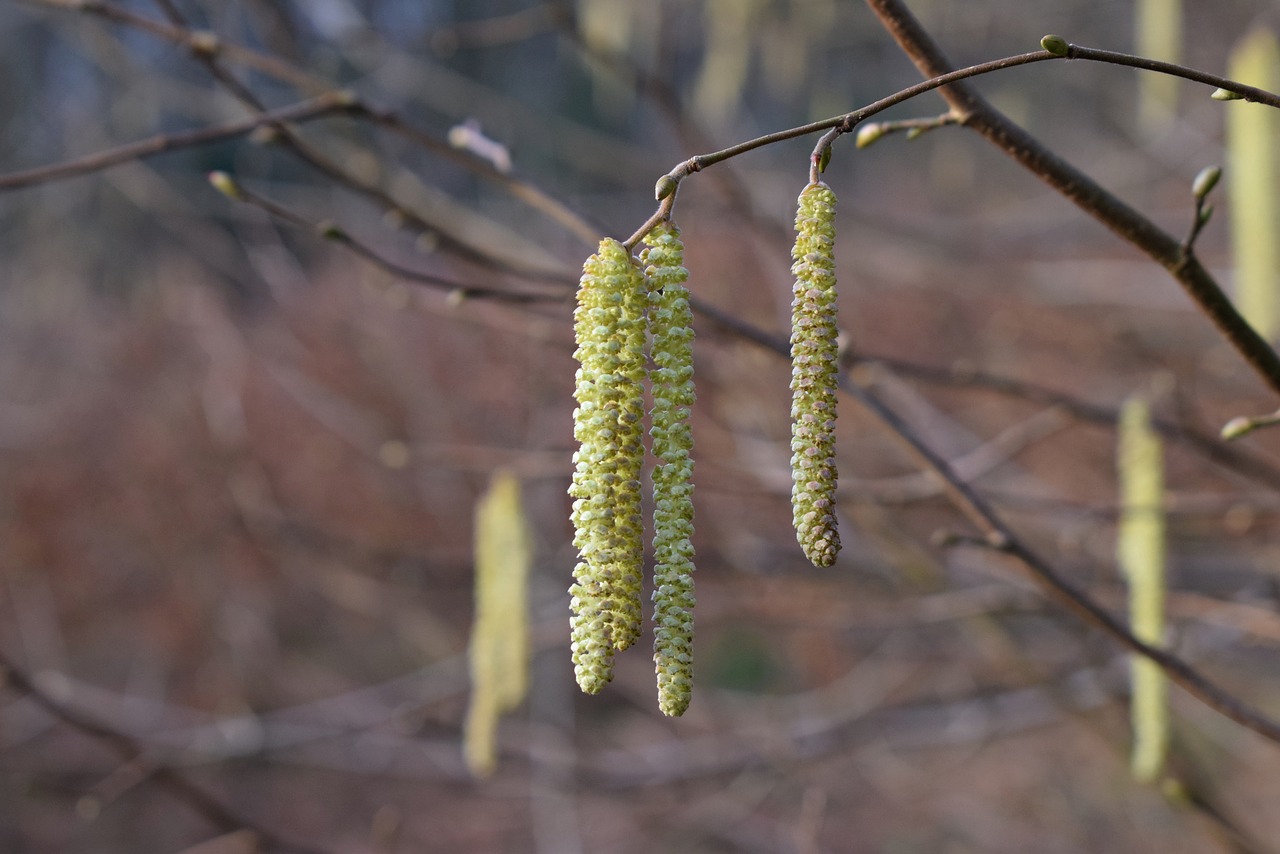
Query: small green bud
824	158
1239	426
204	43
1056	45
915	133
330	230
1226	95
1205	214
868	134
225	184
666	186
1205	181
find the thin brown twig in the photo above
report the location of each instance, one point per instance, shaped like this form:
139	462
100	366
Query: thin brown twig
196	40
847	121
1247	93
999	537
329	103
331	231
209	46
1236	458
532	195
210	808
202	48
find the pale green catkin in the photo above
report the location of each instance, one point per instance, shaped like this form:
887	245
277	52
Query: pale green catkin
672	384
609	325
813	376
499	651
1253	177
1140	548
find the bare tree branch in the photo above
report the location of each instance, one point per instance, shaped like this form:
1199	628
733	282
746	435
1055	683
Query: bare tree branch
328	104
214	811
1093	198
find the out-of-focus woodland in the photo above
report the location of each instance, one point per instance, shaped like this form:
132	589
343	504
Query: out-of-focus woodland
239	462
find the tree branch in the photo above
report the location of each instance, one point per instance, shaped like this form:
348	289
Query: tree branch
1086	193
331	231
214	811
326	104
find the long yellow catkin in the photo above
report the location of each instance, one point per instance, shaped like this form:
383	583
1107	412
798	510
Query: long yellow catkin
499	636
813	376
671	320
1253	175
1141	553
609	325
1157	34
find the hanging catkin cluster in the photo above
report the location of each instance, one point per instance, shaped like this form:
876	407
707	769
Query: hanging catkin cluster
617	305
673	395
609	324
813	376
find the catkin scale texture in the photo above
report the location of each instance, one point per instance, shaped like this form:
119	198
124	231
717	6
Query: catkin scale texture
609	327
671	378
813	376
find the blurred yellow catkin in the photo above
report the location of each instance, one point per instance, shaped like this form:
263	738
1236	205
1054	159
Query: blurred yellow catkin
612	28
1140	550
1157	34
499	634
726	64
1253	173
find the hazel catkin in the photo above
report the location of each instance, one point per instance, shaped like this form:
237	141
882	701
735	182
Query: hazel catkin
672	387
813	376
609	327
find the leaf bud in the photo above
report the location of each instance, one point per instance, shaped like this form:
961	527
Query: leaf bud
1056	45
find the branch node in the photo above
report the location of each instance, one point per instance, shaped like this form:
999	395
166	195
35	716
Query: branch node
264	135
347	99
204	43
1203	184
998	540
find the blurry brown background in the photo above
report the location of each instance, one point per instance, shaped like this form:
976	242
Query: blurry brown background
238	465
